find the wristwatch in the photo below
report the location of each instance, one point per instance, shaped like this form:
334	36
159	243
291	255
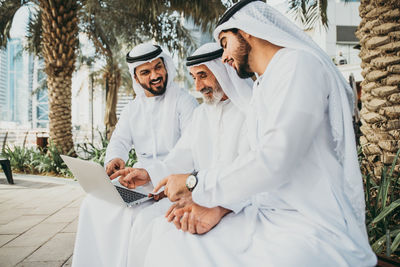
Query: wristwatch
191	181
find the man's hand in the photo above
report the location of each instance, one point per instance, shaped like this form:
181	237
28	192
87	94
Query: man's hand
132	177
193	218
115	165
174	186
158	197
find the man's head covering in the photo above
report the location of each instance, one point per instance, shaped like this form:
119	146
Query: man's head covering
145	53
238	90
260	20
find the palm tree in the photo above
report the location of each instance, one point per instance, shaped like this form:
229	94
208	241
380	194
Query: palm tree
380	54
161	22
53	34
379	34
58	21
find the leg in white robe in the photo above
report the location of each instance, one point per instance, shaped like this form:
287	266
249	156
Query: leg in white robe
103	233
142	231
254	237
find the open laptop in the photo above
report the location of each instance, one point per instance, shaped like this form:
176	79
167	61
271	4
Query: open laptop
95	181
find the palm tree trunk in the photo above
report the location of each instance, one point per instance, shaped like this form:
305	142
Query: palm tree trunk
59	26
113	82
379	34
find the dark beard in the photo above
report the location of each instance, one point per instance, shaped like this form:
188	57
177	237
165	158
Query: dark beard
242	58
160	89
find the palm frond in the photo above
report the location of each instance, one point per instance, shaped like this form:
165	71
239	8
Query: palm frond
34	32
8	9
310	13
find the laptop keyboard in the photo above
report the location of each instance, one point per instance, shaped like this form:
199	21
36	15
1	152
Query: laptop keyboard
128	195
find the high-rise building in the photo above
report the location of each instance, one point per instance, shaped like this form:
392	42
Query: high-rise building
40	106
20	75
3	83
16	95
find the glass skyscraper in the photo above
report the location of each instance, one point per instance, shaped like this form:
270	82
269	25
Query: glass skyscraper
17	79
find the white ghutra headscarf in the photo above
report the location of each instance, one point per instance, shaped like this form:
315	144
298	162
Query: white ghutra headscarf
145	53
238	90
262	21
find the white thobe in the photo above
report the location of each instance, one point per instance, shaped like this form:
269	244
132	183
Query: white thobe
139	122
297	214
215	137
103	229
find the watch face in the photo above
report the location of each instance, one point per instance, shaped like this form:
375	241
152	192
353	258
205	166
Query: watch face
191	181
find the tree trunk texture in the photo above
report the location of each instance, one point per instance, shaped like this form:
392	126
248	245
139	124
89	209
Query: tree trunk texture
112	78
379	34
60	38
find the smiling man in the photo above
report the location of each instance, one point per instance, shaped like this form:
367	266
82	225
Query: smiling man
152	123
301	175
215	136
159	104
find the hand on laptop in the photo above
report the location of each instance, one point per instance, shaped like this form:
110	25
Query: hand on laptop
115	165
174	187
132	177
158	196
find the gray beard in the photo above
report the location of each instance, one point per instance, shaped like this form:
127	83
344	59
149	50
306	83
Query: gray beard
215	99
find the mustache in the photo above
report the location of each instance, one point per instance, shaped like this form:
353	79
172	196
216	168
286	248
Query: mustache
156	80
206	90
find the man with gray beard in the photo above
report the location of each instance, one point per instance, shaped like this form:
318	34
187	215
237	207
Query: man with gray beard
215	136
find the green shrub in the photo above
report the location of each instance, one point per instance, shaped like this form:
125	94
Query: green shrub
98	154
34	161
382	196
20	158
51	162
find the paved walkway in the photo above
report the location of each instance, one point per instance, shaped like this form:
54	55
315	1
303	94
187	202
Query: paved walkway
38	220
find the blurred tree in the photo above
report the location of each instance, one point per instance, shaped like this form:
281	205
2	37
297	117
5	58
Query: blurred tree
58	31
379	34
53	34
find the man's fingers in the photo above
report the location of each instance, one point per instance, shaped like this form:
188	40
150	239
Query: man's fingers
192	224
130	179
180	212
166	191
162	183
131	183
169	211
121	164
184	222
116	174
177	222
121	181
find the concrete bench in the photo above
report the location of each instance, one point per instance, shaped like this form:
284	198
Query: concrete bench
5	164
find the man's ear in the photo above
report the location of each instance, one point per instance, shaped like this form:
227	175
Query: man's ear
136	78
245	35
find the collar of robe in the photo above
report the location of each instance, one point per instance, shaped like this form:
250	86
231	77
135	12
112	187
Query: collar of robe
231	11
197	59
144	57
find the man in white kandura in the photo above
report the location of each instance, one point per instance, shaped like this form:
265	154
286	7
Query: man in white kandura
152	123
215	136
301	176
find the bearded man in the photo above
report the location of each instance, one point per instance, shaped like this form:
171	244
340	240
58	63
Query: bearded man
301	175
215	136
152	123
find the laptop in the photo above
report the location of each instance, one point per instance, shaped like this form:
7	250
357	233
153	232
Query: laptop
95	181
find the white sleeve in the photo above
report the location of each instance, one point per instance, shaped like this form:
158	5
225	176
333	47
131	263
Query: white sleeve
121	140
288	125
179	159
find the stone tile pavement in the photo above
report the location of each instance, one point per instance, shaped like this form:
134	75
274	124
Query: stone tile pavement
38	220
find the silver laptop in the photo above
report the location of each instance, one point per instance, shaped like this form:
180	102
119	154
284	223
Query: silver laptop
95	181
